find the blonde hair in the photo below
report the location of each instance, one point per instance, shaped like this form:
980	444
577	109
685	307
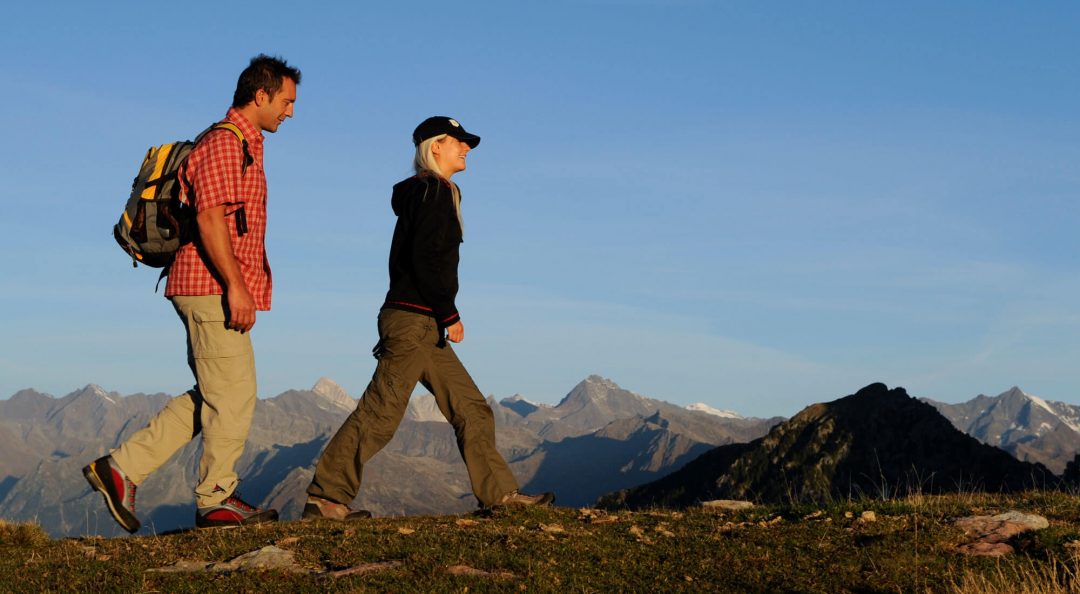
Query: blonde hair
424	163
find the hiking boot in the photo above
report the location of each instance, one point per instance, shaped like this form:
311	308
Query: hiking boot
516	497
318	508
233	511
106	478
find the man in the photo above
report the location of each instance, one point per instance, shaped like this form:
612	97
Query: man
216	284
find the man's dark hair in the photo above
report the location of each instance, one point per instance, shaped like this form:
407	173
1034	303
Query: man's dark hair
266	73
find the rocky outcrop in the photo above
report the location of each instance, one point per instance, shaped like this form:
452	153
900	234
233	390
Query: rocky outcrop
877	443
989	536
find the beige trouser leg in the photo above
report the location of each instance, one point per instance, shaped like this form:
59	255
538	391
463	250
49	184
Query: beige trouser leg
410	355
220	406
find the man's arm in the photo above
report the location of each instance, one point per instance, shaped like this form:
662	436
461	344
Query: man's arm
214	235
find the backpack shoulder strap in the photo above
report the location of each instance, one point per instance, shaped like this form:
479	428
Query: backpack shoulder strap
231	127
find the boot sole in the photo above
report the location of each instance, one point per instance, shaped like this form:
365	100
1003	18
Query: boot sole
131	524
264	517
311	512
547	499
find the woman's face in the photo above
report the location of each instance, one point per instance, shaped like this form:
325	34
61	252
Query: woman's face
449	154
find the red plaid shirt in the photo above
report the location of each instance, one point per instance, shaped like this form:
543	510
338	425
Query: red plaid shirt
213	172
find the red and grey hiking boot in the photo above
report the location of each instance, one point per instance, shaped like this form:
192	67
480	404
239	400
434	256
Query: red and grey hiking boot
516	497
318	508
233	511
106	478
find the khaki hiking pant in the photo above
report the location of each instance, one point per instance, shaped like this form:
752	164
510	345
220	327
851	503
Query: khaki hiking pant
409	354
220	406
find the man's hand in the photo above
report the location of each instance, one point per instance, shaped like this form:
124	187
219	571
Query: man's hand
455	333
241	308
214	233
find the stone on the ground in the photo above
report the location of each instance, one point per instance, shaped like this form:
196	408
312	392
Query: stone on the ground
727	504
269	557
466	570
986	549
990	533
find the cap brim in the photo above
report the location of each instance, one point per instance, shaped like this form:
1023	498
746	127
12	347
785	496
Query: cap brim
470	139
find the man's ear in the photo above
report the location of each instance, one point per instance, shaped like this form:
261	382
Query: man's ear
261	97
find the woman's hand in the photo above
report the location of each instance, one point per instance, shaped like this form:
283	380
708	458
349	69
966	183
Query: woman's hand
455	333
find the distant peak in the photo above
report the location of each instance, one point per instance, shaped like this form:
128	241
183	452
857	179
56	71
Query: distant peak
876	388
95	391
326	383
30	394
519	398
521	405
596	379
705	408
329	389
597	386
1015	393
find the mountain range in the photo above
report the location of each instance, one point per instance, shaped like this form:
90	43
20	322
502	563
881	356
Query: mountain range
1026	426
598	439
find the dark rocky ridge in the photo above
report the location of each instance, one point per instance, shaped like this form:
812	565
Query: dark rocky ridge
877	443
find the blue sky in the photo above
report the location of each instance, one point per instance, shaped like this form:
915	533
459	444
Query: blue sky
753	205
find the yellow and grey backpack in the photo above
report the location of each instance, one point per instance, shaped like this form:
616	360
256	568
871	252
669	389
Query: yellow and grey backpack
156	222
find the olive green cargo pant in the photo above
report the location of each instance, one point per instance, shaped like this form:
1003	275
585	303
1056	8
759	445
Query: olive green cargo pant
409	353
220	406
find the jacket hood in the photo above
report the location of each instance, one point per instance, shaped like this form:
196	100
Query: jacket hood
407	189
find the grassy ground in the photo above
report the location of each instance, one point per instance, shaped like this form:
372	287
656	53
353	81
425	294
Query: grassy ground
909	547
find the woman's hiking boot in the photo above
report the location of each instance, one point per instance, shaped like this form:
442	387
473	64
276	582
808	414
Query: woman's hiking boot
318	508
516	497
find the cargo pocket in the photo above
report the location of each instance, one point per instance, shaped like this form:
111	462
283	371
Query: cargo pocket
210	339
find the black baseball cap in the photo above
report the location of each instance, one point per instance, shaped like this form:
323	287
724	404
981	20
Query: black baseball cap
437	125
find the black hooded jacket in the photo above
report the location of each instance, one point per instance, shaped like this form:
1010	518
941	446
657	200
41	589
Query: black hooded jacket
424	251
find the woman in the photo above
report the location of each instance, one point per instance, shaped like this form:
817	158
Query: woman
415	323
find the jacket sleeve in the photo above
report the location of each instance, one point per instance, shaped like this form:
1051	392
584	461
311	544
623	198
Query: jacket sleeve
433	258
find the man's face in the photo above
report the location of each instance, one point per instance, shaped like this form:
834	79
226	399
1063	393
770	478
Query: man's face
274	110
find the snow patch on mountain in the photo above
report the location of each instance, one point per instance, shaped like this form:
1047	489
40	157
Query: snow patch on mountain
705	408
333	393
97	391
1040	403
1054	408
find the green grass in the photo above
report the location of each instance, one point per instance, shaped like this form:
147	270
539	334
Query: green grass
909	548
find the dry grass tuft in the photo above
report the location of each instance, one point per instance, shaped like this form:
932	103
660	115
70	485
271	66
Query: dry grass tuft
1046	578
22	535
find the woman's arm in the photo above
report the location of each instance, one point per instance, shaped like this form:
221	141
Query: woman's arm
434	260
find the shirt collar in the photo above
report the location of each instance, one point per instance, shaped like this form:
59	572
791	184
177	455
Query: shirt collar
251	133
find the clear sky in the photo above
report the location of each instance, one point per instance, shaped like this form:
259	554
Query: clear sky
755	205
